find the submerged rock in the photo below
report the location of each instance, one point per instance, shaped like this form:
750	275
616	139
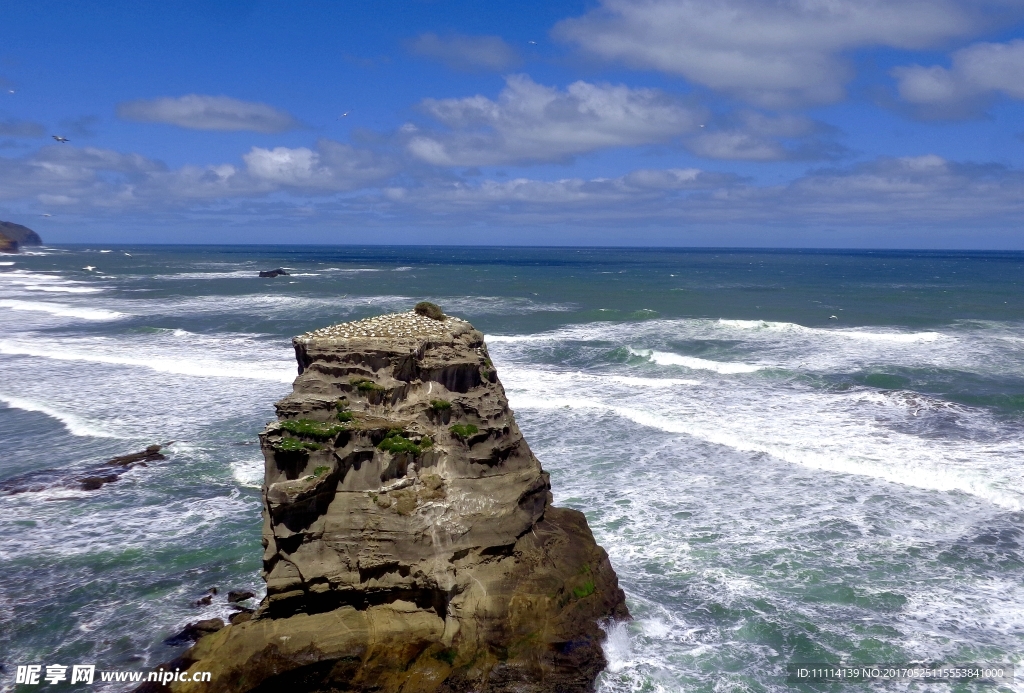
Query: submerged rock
410	541
273	273
194	631
87	480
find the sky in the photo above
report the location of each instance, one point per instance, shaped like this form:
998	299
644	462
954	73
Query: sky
752	123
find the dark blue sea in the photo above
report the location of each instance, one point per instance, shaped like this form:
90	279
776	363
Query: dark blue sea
790	456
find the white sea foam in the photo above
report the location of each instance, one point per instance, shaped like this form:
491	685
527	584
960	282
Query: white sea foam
833	432
848	333
75	424
25	280
248	473
663	358
6	264
109	352
49	288
61	310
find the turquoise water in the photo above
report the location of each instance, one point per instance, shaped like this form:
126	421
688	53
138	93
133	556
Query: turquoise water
790	456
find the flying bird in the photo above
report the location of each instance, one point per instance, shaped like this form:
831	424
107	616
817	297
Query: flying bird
532	42
832	317
89	268
343	115
46	215
59	138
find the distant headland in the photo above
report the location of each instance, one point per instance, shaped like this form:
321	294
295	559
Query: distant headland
13	236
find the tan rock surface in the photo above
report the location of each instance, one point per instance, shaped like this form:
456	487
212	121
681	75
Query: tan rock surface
410	544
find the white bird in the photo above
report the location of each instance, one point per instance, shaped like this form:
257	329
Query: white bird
832	317
343	115
59	138
46	215
89	268
128	254
532	42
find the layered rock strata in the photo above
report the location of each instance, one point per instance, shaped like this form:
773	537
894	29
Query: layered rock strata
410	541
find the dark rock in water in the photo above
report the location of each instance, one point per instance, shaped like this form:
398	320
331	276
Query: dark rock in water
429	310
205	601
23	235
403	553
239	596
150	454
194	631
8	244
88	480
274	273
91	483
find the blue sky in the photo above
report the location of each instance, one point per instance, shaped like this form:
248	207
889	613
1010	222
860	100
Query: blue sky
824	123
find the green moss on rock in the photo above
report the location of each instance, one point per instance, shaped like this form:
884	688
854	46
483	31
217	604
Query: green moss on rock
294	445
320	430
463	431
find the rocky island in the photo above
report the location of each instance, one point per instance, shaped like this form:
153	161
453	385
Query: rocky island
410	541
14	235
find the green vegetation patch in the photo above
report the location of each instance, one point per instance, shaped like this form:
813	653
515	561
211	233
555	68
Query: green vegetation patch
463	431
447	656
397	442
320	470
366	386
321	430
294	445
584	590
440	405
429	310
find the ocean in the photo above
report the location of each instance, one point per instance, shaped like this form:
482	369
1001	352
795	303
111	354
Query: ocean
790	456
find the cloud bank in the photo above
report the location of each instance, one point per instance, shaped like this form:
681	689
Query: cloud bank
976	74
779	54
530	122
198	112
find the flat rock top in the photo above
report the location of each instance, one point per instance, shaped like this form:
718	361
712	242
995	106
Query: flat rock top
408	325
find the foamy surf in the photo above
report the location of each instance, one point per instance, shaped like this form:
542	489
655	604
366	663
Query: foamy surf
926	473
61	310
197	367
663	358
74	424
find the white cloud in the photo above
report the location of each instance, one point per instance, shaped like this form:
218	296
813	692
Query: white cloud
976	73
200	112
755	136
90	177
466	52
775	54
334	181
334	166
911	192
530	122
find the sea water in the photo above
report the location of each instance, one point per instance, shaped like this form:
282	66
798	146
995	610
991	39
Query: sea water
789	456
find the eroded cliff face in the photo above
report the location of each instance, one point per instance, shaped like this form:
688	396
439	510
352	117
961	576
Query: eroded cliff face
410	541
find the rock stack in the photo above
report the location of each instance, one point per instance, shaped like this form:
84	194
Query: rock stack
410	541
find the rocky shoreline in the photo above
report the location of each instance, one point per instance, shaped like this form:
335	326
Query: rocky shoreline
410	541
